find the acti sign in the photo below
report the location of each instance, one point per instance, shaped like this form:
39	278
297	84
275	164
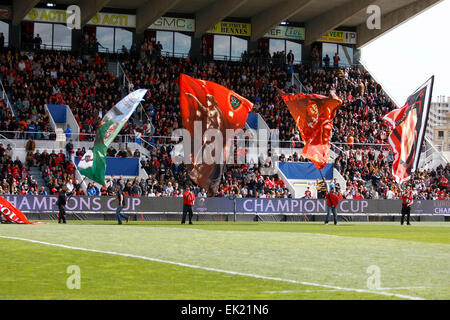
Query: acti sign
101	18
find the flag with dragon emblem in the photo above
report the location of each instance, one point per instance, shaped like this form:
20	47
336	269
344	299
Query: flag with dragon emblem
314	116
214	107
408	131
93	162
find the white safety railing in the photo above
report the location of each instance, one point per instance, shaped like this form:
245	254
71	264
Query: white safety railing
295	81
129	86
6	99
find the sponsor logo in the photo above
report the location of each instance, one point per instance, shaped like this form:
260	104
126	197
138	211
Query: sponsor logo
235	102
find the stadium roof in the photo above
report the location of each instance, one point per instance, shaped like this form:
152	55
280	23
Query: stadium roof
317	16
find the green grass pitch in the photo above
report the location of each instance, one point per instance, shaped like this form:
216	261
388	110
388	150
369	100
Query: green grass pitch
225	261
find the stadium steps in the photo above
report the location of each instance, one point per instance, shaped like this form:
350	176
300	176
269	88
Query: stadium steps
37	175
112	67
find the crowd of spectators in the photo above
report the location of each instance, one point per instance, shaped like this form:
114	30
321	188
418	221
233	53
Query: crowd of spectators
57	170
369	176
35	77
14	175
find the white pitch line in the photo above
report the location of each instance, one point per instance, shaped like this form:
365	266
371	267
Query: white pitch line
402	296
405	288
292	291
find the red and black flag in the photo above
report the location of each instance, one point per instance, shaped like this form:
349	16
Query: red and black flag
408	131
215	107
314	114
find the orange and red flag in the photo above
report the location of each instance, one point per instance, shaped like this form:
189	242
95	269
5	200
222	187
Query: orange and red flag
314	116
215	107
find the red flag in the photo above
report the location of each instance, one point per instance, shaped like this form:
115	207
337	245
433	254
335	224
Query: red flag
216	107
314	116
408	130
11	213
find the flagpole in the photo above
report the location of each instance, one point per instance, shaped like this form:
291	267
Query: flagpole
320	171
79	185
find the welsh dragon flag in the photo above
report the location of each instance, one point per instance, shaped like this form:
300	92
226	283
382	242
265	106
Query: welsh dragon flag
93	162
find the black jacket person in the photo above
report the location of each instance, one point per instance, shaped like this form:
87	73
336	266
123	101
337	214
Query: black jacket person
62	200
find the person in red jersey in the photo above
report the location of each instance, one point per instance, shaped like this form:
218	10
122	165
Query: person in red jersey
307	193
443	181
188	203
407	201
332	203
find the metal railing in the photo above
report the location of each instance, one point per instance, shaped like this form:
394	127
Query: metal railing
128	84
9	141
44	46
169	54
6	98
295	81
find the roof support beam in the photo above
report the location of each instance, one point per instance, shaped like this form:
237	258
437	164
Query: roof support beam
21	8
333	18
392	20
264	21
89	8
207	17
148	13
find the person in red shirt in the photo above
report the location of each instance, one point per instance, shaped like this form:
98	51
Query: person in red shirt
407	201
332	203
307	193
188	203
443	181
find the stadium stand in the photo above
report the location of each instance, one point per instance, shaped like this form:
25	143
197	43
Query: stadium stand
34	78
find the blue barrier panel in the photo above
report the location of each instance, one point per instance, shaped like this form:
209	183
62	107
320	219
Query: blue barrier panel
120	166
58	112
305	170
252	121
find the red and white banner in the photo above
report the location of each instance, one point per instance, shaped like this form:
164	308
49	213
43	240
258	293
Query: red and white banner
11	213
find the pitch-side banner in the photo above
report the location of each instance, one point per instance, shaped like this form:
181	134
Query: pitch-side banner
12	214
346	206
87	204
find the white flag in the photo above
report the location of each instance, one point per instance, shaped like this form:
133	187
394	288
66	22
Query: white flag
87	160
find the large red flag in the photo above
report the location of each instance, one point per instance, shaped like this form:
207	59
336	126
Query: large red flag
216	107
11	213
408	130
314	116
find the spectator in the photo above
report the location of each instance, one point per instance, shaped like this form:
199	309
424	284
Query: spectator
37	42
30	145
69	150
92	190
336	60
326	60
68	132
290	58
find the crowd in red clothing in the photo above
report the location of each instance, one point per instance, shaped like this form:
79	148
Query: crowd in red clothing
57	170
14	175
36	78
